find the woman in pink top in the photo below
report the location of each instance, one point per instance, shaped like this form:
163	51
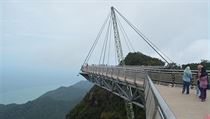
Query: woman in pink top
203	84
199	67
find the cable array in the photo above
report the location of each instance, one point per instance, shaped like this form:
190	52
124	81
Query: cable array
107	40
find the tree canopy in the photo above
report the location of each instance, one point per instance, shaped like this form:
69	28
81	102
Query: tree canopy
193	66
138	58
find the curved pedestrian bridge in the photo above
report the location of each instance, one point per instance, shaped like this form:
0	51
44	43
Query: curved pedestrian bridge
155	89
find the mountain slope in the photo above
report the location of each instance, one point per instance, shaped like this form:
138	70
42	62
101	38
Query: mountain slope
52	105
69	93
101	104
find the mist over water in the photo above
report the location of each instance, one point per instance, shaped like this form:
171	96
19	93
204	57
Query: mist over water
19	85
23	95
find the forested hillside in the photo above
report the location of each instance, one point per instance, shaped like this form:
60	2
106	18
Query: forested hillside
52	105
101	104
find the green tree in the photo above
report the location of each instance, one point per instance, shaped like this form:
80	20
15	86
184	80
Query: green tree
138	58
193	66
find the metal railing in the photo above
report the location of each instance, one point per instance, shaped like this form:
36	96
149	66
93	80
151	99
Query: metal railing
157	73
155	106
132	76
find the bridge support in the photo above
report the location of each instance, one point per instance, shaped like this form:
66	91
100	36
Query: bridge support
130	89
128	104
130	93
129	109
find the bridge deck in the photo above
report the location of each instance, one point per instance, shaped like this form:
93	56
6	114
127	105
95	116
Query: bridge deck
185	106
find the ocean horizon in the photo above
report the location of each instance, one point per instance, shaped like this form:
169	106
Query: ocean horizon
19	85
24	95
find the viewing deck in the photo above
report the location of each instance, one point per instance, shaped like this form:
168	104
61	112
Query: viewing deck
160	88
185	106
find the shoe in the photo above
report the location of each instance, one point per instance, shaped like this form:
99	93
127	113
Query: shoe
203	100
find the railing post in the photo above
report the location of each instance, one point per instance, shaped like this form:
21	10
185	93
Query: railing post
173	78
159	77
106	71
118	70
135	72
111	72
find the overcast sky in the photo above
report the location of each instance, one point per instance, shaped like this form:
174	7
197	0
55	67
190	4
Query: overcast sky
57	35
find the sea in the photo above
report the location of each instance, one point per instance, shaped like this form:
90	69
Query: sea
21	86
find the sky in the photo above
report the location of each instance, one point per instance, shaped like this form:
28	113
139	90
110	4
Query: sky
43	43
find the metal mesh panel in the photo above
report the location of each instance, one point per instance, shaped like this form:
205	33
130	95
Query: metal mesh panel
178	78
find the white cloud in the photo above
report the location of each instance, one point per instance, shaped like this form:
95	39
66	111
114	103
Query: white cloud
194	51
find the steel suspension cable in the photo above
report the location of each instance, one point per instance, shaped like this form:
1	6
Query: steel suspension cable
127	40
142	36
109	44
126	43
104	45
115	55
106	39
154	45
159	50
96	40
102	51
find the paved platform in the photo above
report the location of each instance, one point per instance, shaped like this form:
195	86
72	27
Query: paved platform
185	106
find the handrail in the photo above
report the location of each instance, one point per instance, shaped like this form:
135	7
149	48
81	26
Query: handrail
155	105
157	74
160	105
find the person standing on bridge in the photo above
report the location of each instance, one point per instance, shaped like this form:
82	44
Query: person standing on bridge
203	84
198	92
187	76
